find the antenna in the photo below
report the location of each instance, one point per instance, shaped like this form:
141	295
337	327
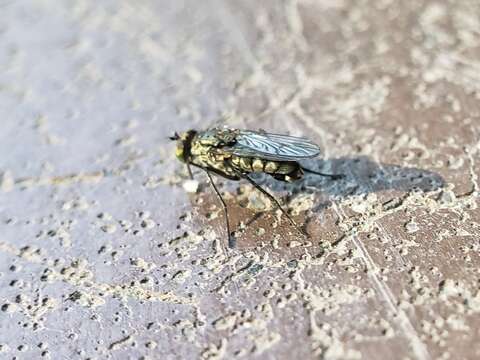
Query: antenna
174	137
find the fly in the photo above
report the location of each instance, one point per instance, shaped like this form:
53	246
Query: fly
234	154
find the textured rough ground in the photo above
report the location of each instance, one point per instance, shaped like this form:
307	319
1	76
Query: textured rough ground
103	254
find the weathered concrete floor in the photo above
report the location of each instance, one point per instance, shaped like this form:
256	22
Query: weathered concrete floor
104	255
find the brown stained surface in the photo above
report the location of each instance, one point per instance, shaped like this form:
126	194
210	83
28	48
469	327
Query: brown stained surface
103	254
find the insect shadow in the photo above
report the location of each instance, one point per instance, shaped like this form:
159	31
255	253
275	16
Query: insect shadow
363	176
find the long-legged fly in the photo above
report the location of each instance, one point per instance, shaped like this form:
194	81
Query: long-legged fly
234	154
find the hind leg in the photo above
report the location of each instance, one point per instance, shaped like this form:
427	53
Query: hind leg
275	201
331	176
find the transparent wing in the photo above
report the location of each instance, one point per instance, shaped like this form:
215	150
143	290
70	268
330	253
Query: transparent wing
272	146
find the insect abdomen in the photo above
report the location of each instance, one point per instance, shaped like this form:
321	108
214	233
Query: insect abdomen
247	164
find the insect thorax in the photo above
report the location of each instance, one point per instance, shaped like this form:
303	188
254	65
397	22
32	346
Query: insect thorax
206	154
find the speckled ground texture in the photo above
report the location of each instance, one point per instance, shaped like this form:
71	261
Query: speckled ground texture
108	252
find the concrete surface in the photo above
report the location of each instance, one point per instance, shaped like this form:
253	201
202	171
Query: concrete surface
104	255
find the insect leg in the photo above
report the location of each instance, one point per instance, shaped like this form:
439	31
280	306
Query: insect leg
189	169
231	240
331	176
275	201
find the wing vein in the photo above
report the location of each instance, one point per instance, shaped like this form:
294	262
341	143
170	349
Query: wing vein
273	146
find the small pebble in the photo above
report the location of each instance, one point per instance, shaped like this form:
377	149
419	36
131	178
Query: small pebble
191	186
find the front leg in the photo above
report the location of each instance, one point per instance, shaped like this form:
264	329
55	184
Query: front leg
189	169
231	240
